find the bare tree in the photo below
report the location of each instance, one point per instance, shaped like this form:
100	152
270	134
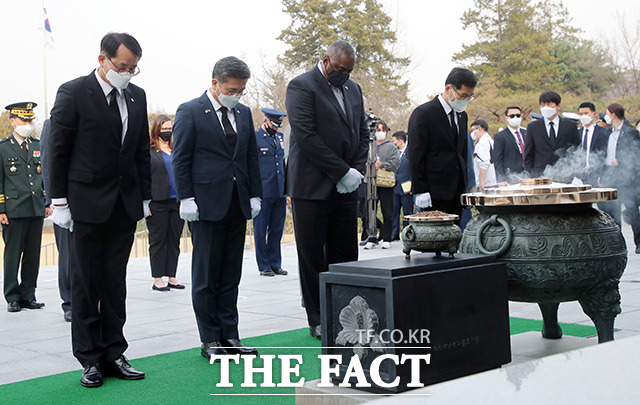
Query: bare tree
624	52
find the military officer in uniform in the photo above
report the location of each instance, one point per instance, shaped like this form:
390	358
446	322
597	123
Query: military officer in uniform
22	208
269	224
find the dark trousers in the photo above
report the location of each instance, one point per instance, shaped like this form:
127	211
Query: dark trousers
216	267
99	253
630	214
165	228
385	197
268	227
22	239
404	201
326	233
64	263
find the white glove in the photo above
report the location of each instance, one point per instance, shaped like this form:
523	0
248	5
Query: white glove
62	217
423	200
351	180
256	204
189	209
341	188
145	208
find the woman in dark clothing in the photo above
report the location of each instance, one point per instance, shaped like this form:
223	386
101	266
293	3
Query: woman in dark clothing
164	223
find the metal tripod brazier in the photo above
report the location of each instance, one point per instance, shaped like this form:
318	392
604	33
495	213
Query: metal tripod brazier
556	246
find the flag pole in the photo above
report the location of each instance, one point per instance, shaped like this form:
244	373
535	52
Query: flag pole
44	60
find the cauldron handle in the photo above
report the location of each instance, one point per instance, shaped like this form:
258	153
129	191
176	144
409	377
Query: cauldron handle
494	220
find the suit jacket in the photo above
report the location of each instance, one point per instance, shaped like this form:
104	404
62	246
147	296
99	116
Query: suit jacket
599	139
437	156
21	188
203	165
538	150
507	157
159	176
90	164
624	176
325	141
403	174
271	158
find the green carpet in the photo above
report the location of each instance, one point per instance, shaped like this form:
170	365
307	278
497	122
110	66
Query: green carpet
185	377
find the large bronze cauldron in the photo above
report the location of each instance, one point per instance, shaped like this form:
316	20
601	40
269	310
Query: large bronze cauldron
556	245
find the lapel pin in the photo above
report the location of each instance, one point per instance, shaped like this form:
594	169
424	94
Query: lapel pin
237	111
346	88
207	111
132	100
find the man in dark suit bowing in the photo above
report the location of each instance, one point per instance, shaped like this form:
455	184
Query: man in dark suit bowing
438	145
508	146
100	187
217	179
549	138
402	199
329	144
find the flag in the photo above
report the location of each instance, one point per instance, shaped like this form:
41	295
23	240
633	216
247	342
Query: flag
48	36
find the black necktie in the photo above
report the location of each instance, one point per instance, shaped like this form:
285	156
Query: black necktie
115	110
552	134
25	149
232	137
585	139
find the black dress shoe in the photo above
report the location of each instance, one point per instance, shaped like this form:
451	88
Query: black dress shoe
209	349
267	273
280	272
176	286
121	368
234	346
13	306
316	331
156	288
67	316
362	242
31	304
91	376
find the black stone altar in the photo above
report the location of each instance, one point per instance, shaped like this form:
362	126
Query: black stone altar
462	302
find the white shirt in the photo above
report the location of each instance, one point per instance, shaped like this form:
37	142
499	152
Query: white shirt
122	103
216	107
447	110
612	145
482	160
513	133
556	125
336	91
589	131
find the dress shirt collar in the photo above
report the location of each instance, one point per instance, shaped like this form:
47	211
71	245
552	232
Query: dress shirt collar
447	107
214	102
18	140
106	87
556	123
322	73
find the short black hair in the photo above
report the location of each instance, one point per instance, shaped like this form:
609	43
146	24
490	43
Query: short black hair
512	107
617	109
339	48
459	76
112	41
550	97
481	123
230	67
588	105
401	135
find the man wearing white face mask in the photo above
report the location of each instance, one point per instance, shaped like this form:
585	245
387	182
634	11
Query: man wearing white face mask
217	178
593	143
22	208
100	186
438	145
549	138
508	148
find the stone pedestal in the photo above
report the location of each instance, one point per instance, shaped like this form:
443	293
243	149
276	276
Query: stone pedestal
454	309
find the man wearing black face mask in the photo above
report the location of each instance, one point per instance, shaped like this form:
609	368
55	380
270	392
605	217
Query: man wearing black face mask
269	224
329	144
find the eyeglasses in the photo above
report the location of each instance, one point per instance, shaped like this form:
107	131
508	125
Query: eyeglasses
134	70
514	115
464	97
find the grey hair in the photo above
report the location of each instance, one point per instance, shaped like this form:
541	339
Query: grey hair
230	67
339	48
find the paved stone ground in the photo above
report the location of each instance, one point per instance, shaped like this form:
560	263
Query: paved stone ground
35	343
